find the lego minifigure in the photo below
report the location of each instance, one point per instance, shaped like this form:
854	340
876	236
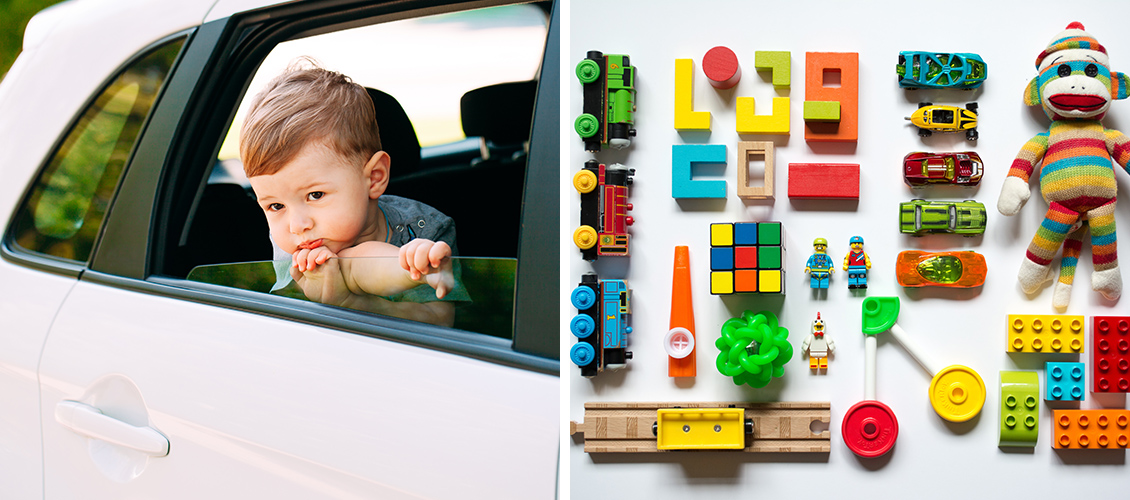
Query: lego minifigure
817	346
819	266
856	263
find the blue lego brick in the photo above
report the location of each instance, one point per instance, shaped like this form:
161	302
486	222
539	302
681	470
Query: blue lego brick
1064	381
721	258
745	233
683	185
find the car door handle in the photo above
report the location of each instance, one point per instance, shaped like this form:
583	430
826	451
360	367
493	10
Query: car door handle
89	421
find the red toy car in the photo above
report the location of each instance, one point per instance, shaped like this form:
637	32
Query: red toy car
961	169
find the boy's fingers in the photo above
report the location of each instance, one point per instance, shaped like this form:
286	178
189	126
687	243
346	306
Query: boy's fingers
421	261
438	252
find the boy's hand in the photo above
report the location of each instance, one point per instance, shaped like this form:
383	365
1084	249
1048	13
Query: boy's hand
319	275
431	261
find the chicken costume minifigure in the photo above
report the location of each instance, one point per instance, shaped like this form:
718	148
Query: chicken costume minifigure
818	346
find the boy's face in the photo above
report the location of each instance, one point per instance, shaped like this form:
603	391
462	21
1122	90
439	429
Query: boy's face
321	198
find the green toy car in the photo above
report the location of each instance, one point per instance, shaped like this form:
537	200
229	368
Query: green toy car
918	217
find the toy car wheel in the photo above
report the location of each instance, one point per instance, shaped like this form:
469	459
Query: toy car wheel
971	107
586	125
902	59
584	237
971	135
924	104
924	132
588	71
584	181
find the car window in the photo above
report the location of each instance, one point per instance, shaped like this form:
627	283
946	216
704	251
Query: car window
64	210
953	217
448	138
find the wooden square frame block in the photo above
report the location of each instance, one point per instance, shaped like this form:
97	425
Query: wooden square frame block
745	150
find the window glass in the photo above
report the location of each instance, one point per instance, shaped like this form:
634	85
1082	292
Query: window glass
482	299
69	200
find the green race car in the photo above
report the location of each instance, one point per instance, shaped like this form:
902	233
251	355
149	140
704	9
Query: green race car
918	217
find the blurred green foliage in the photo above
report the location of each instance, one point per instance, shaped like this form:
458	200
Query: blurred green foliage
14	15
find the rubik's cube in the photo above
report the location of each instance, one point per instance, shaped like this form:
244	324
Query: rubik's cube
747	257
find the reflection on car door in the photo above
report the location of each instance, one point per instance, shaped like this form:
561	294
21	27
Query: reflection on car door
267	408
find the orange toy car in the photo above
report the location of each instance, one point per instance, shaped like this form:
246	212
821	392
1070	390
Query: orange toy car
965	269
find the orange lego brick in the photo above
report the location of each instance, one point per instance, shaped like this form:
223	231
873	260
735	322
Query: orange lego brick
1091	429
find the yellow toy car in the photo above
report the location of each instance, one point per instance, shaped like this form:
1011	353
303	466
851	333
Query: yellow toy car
929	118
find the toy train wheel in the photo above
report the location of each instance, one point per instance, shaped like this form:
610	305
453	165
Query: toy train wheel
582	297
870	429
584	181
588	71
582	326
586	125
585	237
582	354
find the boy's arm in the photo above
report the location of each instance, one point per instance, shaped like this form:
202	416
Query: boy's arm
366	275
436	313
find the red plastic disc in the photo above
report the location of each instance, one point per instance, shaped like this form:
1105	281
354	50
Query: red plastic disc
870	429
721	67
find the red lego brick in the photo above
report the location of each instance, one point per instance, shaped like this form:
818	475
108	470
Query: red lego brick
1111	337
835	181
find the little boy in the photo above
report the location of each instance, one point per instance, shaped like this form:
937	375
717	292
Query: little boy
311	150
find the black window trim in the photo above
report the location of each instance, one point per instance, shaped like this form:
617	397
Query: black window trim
12	251
124	255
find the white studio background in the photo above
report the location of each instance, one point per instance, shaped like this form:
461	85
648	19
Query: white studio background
933	458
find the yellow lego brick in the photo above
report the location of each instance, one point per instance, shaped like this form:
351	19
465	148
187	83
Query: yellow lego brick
686	118
776	123
721	282
700	429
821	111
769	281
722	235
1045	333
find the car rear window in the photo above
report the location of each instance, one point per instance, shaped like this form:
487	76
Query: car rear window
62	215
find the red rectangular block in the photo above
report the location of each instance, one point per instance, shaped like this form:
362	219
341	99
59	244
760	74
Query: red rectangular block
834	181
1111	338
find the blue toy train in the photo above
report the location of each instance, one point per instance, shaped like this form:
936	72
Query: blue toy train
606	303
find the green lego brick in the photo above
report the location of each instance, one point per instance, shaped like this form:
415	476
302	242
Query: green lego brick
821	111
769	257
769	233
779	62
1020	408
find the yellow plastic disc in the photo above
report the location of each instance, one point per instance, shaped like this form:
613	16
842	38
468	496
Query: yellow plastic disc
957	393
584	237
584	181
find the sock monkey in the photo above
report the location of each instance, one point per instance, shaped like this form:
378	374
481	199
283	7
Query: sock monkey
1075	86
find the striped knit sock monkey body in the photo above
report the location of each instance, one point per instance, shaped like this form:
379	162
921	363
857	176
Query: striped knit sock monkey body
1075	88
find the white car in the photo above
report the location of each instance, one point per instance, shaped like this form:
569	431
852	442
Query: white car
137	362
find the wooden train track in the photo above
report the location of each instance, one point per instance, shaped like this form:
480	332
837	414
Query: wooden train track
777	427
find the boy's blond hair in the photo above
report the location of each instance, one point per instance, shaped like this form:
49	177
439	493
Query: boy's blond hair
305	105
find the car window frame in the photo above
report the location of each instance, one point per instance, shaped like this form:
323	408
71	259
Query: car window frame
204	91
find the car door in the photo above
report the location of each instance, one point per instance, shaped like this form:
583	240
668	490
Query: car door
153	386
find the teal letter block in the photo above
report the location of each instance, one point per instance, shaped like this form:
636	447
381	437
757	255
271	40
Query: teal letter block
682	158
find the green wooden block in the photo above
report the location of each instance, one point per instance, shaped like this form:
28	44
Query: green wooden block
821	111
777	61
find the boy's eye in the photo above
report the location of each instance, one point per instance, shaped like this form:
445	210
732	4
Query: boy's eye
274	207
316	195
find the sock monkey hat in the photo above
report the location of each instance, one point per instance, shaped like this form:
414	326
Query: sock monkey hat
1068	69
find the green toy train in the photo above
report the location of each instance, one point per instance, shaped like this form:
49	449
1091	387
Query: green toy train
609	83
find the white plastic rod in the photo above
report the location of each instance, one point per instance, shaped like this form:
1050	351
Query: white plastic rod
914	350
89	421
870	350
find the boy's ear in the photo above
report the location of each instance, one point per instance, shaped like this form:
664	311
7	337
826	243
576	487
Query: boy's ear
376	171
